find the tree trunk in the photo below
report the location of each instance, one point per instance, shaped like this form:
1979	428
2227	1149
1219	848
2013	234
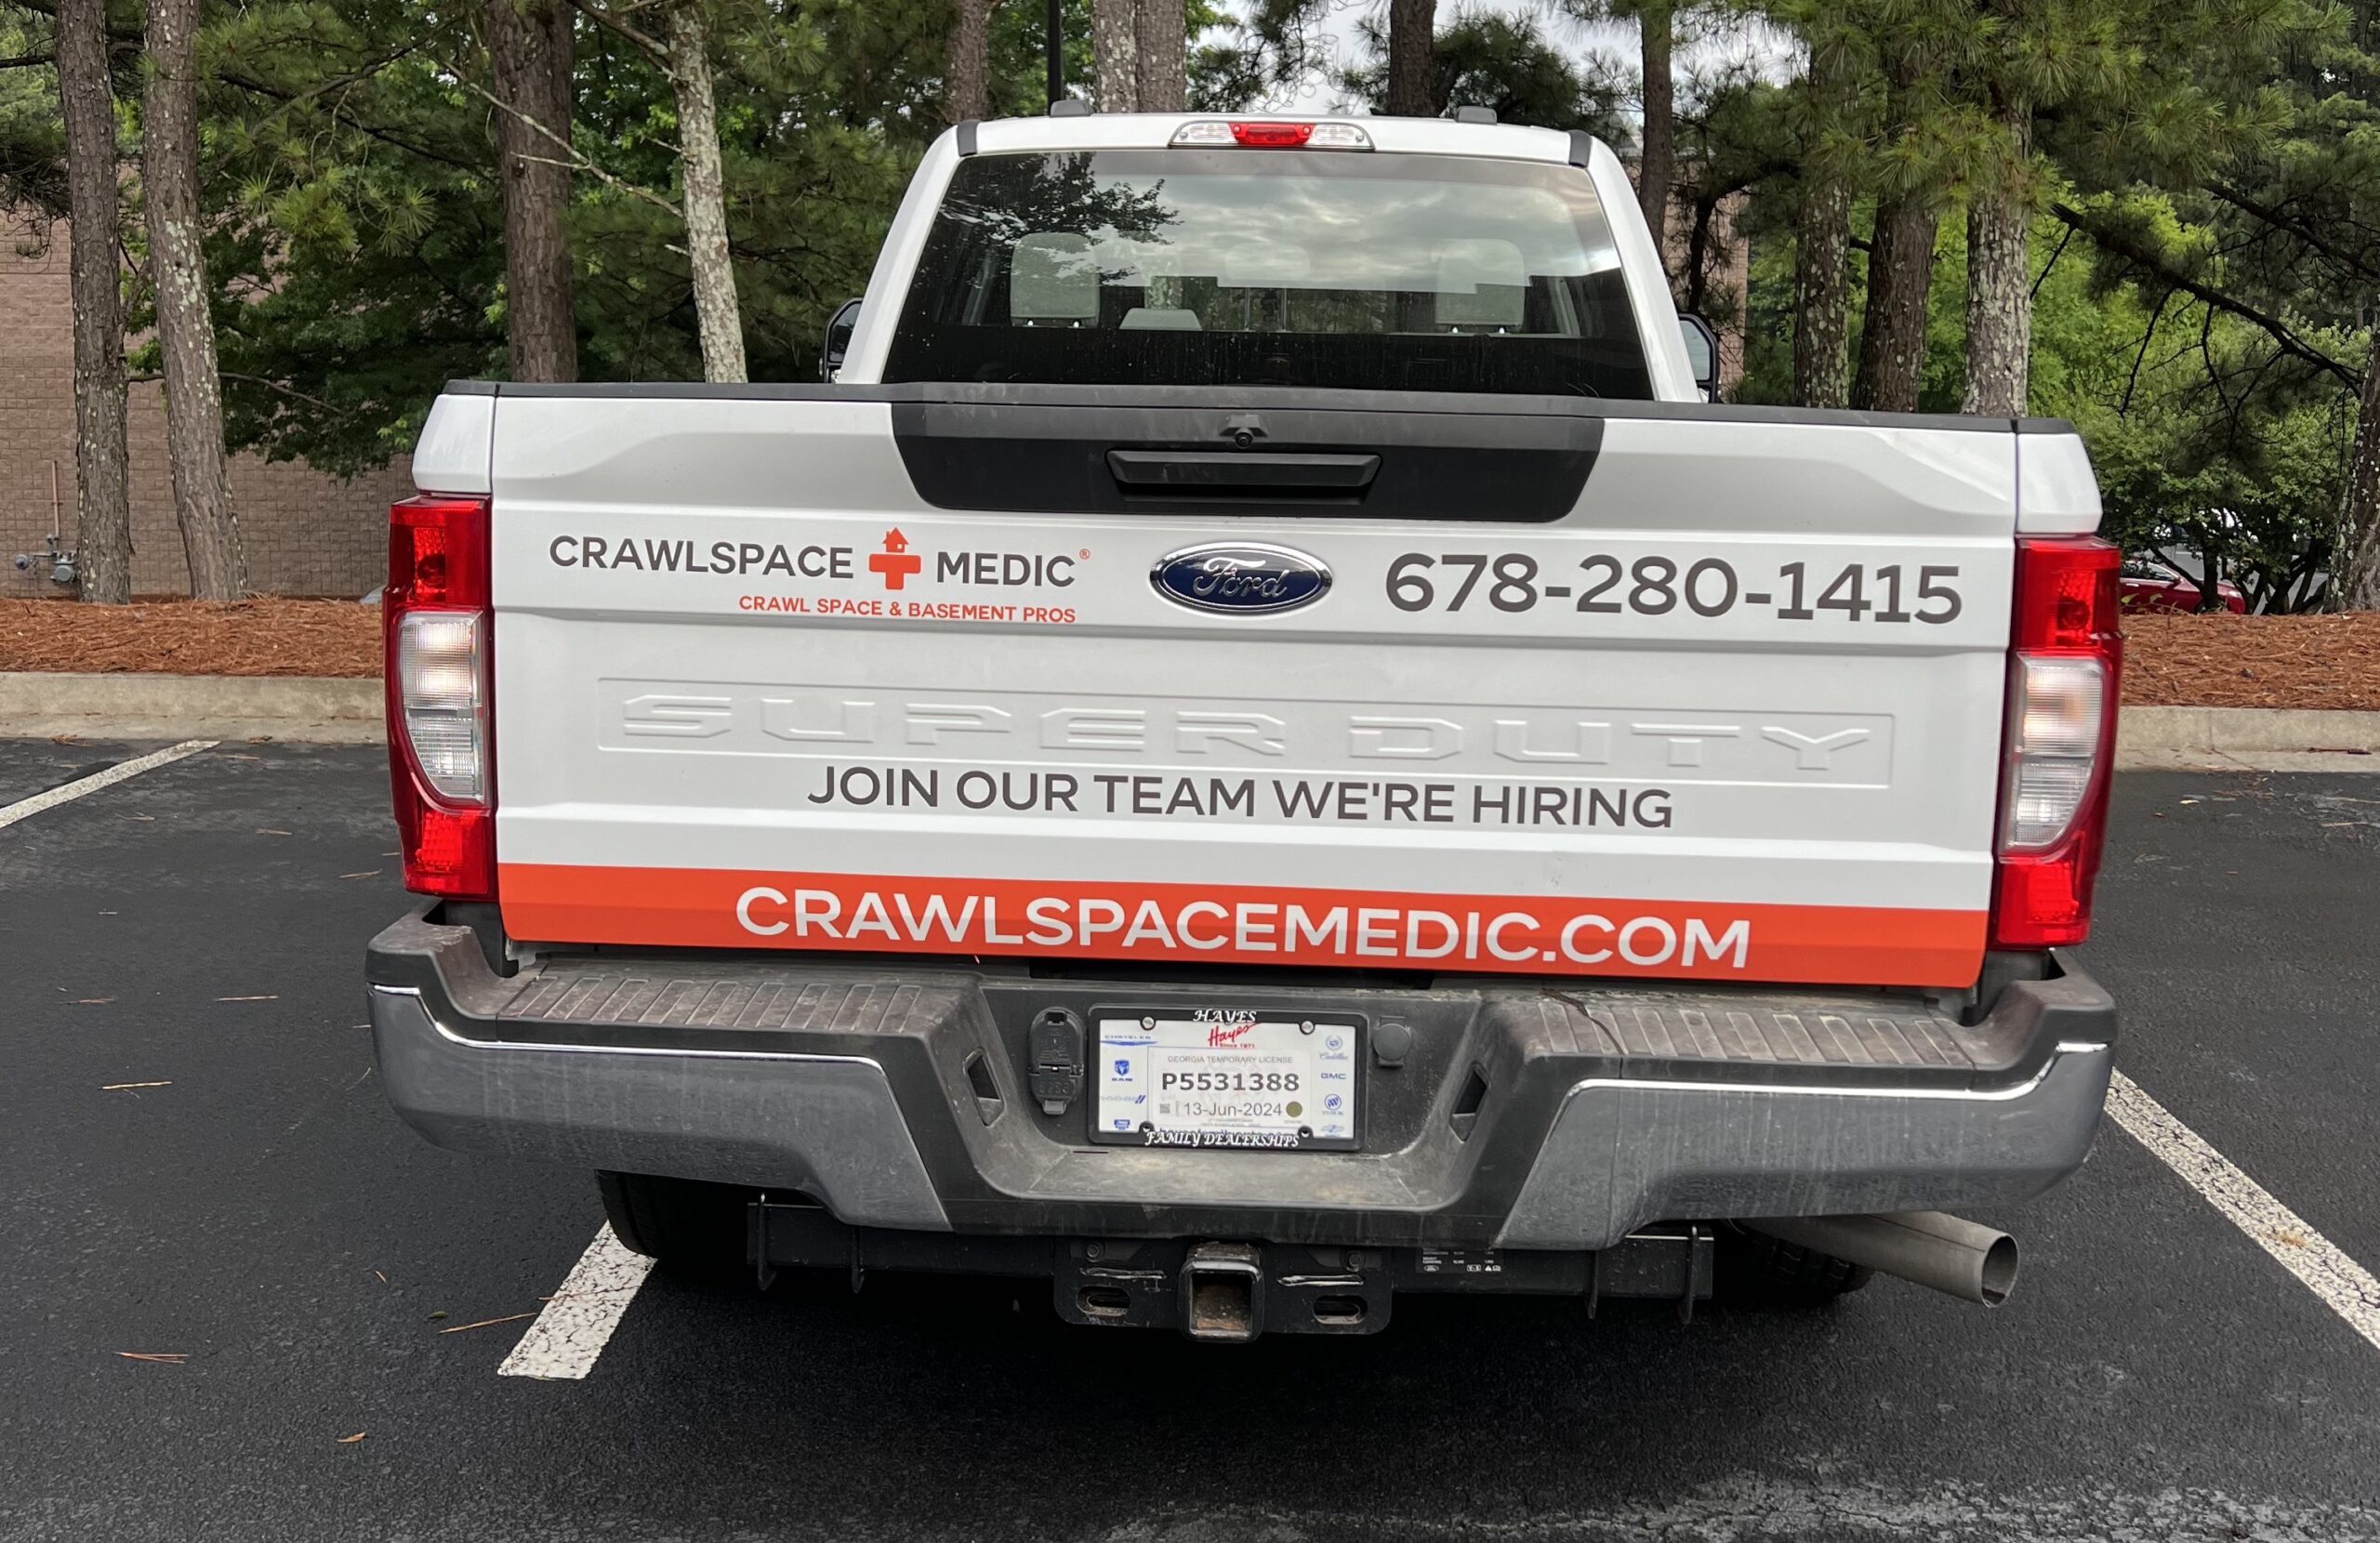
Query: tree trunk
2354	584
1901	273
705	188
1822	293
1901	259
1411	39
1822	246
1656	152
1697	274
103	519
1162	39
1116	77
2000	294
218	569
529	53
966	77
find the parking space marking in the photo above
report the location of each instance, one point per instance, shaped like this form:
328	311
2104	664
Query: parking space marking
2345	1286
578	1319
66	792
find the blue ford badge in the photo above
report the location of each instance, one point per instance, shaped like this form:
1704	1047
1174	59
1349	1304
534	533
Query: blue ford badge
1231	575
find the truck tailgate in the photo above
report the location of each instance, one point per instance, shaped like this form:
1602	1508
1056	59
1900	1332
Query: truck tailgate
1729	707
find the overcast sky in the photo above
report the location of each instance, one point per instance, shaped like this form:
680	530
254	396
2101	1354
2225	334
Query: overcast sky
1605	39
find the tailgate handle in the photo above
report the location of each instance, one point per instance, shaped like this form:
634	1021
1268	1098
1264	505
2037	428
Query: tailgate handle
1228	472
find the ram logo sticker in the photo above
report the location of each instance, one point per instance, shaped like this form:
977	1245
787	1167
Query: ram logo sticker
1240	576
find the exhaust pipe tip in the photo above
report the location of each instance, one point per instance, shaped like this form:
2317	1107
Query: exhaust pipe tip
1996	1277
1948	1254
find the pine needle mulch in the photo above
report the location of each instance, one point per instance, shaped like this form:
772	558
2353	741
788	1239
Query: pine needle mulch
258	637
2227	661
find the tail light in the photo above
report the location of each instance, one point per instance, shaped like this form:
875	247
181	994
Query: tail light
2063	674
442	745
1249	135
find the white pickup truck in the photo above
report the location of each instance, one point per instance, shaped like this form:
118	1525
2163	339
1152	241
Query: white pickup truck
1258	748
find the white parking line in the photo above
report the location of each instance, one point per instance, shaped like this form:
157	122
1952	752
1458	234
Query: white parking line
66	792
578	1319
2345	1288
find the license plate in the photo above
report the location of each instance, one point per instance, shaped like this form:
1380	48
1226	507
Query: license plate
1222	1078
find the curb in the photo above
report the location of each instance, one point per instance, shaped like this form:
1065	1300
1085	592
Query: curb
2263	739
326	710
321	710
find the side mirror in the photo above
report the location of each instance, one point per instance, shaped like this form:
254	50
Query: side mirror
839	341
1702	352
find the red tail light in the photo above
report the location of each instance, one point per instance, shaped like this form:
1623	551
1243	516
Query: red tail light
1270	136
2064	674
1247	133
439	629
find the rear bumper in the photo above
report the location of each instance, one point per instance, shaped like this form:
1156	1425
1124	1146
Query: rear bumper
1555	1116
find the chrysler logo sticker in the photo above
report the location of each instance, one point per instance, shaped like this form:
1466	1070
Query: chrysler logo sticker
1237	576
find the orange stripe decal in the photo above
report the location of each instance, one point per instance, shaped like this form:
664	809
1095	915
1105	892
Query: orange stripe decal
1241	924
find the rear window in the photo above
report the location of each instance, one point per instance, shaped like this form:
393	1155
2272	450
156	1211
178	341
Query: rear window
1272	267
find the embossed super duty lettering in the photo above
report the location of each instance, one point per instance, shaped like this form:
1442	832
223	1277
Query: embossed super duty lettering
1257	735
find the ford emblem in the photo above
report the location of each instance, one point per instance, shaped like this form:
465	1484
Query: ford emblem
1240	576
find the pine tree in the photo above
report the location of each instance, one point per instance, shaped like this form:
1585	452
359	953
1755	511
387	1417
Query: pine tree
683	54
218	569
530	50
967	61
1657	144
1114	50
1159	45
1822	231
1905	174
103	503
1411	33
704	188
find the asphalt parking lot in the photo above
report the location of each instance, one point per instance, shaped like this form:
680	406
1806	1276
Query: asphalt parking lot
198	1166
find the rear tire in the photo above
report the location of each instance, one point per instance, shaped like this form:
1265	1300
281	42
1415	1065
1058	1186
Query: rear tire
680	1220
1755	1267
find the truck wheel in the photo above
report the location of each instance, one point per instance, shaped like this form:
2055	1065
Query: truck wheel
1753	1266
680	1220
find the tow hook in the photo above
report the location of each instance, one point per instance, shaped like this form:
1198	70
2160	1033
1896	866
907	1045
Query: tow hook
1222	1298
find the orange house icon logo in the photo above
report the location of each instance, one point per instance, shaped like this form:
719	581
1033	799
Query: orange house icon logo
894	562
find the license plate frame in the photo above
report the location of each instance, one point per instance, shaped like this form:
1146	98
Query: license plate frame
1134	1047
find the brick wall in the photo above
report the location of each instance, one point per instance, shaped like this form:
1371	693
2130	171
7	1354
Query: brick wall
307	534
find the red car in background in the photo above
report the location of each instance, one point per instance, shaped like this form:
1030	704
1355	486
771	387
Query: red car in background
2150	585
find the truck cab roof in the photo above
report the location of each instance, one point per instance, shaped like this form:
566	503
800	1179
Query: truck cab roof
1387	135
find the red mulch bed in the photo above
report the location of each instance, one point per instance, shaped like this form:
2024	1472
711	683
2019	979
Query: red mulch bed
2216	660
261	637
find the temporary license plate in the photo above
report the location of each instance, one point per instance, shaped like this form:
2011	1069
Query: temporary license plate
1224	1077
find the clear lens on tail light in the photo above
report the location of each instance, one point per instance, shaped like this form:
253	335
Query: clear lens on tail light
1205	131
440	675
2054	750
1337	136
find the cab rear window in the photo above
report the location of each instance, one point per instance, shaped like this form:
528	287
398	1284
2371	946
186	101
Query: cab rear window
1272	267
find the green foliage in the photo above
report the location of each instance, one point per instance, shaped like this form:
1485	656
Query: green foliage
1504	62
2204	453
358	251
33	130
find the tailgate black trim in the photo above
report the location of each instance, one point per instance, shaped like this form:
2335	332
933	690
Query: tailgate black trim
1063	458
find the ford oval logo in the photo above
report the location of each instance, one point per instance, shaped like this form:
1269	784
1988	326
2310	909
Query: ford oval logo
1240	576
